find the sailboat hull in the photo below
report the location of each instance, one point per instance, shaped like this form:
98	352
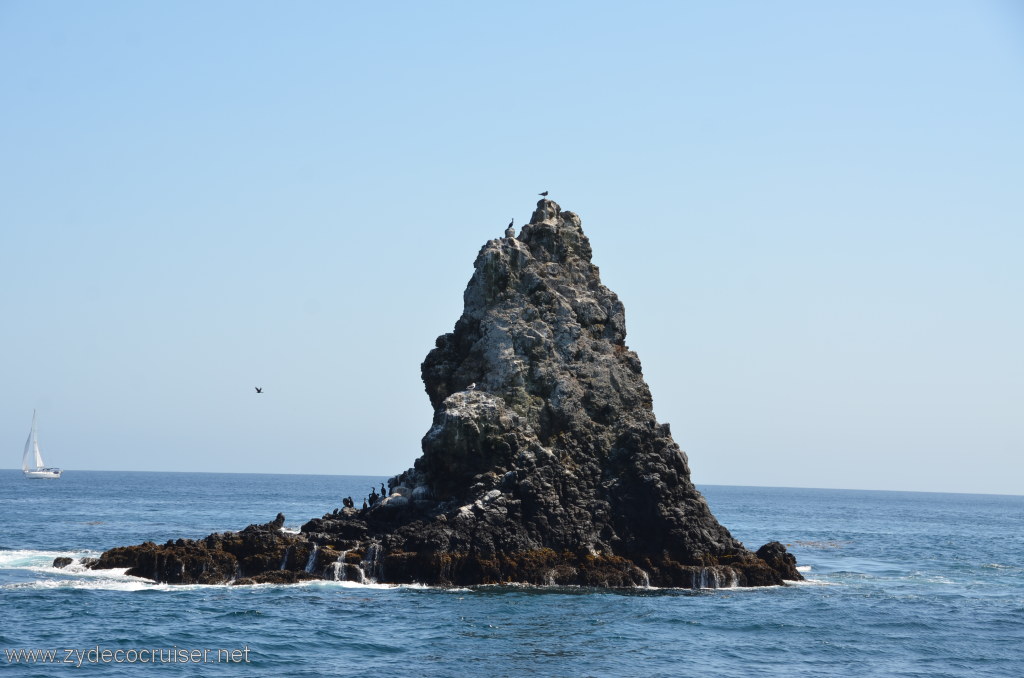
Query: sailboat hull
52	473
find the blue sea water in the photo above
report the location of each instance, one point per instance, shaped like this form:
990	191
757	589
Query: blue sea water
899	584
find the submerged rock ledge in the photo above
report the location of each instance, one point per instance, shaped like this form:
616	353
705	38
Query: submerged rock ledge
544	464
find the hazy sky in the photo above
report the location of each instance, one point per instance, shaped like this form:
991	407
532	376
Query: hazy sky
811	210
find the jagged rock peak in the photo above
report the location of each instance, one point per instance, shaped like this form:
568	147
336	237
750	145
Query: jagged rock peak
554	235
547	211
528	295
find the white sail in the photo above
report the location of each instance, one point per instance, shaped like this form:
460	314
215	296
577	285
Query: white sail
25	459
39	456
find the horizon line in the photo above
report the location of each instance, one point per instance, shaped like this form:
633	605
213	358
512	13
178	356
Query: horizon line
701	484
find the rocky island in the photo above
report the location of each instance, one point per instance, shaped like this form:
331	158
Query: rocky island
544	463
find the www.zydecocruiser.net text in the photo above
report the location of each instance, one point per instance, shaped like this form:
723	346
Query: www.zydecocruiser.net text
101	655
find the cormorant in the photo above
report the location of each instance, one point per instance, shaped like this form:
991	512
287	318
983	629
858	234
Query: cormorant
509	231
259	389
544	194
383	492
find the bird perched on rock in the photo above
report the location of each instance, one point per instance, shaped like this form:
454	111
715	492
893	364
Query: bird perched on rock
544	194
259	390
471	387
509	231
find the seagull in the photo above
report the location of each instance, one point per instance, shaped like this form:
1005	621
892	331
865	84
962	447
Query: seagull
545	194
471	386
259	390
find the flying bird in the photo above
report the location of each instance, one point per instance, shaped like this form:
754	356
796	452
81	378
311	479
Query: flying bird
259	390
545	194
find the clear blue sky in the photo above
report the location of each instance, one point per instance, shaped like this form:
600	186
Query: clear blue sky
811	210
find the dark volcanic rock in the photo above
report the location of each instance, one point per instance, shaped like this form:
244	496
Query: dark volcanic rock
544	464
779	559
219	558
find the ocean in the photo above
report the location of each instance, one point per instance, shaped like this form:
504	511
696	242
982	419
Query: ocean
898	584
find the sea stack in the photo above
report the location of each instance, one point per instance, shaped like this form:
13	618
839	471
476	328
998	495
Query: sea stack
552	469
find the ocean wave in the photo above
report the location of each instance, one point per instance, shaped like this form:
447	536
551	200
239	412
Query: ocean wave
332	584
100	583
930	577
80	577
813	582
31	559
77	576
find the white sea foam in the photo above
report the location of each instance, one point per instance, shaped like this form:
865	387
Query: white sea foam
812	582
331	584
74	575
80	577
113	583
30	559
931	577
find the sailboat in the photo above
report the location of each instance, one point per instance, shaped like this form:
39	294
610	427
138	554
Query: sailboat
32	461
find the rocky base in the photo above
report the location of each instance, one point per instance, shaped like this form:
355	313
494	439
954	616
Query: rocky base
263	554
